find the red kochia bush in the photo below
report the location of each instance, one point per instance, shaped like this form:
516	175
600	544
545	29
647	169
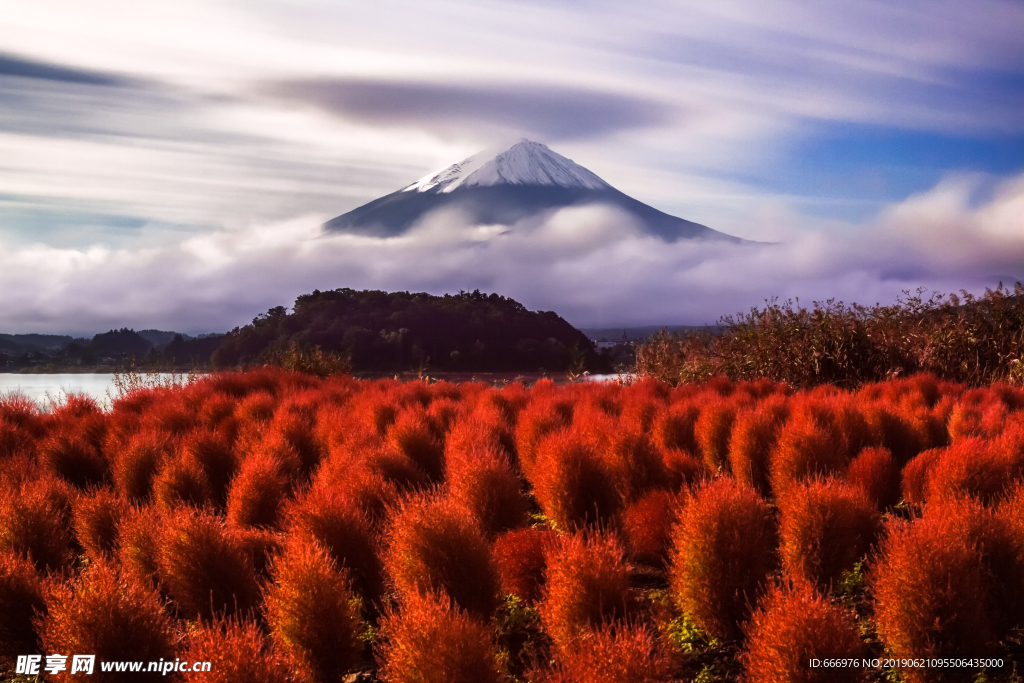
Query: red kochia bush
915	474
647	523
794	625
712	431
313	614
181	482
623	653
434	545
947	584
875	472
541	417
96	516
432	641
72	456
35	521
212	452
112	615
571	481
519	560
826	527
969	467
237	651
137	464
587	586
724	552
257	492
203	565
637	465
21	596
753	437
331	518
484	483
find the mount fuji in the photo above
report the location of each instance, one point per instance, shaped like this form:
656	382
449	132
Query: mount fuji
522	181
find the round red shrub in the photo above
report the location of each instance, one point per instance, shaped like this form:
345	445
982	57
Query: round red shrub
204	566
724	552
621	653
826	527
947	585
313	614
646	526
572	483
332	519
435	545
794	625
484	483
181	482
35	521
969	467
109	614
587	586
96	516
212	452
137	464
519	561
753	437
257	492
71	455
541	417
432	641
674	428
712	431
915	474
237	651
637	465
877	474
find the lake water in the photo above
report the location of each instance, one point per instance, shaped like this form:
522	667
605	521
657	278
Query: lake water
39	387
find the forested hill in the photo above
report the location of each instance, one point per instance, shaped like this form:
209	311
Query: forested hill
399	330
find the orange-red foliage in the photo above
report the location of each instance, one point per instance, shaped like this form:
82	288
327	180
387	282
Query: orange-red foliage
71	455
947	584
204	565
211	451
137	464
572	482
480	478
21	596
107	613
35	521
826	527
237	651
915	474
636	464
674	428
519	560
332	519
432	641
542	416
713	430
587	585
435	545
794	625
181	482
96	516
876	473
647	524
622	653
753	437
724	552
257	491
312	613
970	466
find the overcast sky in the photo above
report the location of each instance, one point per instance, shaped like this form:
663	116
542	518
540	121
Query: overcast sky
169	164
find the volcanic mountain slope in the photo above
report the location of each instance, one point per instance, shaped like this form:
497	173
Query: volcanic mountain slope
523	181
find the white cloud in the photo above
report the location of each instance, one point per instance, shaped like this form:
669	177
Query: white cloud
592	266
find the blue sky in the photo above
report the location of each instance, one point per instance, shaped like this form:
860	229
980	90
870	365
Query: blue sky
167	164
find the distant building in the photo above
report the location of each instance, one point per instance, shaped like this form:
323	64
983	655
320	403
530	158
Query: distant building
605	344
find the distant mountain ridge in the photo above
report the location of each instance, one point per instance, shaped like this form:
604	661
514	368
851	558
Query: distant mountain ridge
520	182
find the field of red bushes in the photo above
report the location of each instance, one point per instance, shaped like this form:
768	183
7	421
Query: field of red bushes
287	528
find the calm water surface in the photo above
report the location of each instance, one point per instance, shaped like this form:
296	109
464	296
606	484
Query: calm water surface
40	387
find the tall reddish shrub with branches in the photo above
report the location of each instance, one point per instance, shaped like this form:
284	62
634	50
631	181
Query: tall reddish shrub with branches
435	545
257	492
313	613
96	516
713	430
753	437
969	467
621	653
483	482
647	524
724	552
35	521
430	640
794	625
136	466
875	472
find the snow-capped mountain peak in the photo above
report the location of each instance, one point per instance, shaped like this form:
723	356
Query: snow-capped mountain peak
524	163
